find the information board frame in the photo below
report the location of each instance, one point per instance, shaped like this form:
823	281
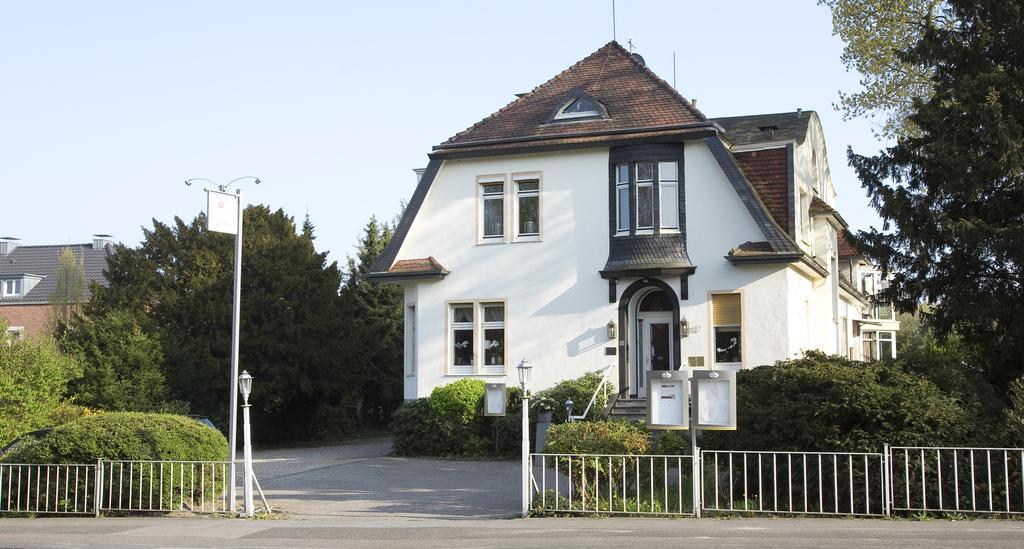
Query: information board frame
663	403
725	383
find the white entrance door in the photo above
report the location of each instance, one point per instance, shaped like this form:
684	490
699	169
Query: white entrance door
654	347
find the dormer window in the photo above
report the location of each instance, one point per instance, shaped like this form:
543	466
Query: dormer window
11	287
579	107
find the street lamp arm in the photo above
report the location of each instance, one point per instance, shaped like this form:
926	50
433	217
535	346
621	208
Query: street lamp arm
220	187
188	182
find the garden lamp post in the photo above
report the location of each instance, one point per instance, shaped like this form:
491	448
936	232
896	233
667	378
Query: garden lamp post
568	409
245	387
524	369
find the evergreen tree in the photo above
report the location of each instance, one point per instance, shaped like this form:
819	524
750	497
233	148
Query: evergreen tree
292	328
375	327
952	197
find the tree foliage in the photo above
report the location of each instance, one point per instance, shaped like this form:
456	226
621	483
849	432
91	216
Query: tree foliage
69	292
122	363
952	196
34	376
875	32
292	331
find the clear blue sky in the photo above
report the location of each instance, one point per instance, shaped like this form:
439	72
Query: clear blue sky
106	107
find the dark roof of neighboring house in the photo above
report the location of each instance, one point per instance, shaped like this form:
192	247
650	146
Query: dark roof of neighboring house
634	98
44	260
762	128
846	246
768	171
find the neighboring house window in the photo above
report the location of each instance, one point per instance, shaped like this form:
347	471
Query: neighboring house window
527	208
644	196
886	345
668	187
622	198
728	327
869	340
492	196
460	338
476	337
12	287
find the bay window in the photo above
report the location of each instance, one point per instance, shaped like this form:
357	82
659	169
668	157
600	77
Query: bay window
622	198
644	196
650	191
668	185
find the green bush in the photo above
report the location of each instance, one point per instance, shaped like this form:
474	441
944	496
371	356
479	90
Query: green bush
598	437
127	436
420	429
830	403
579	390
461	400
34	377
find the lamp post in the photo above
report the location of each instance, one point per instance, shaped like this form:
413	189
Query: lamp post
524	369
568	409
244	387
236	307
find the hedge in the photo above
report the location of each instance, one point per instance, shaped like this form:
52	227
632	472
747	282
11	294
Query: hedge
127	436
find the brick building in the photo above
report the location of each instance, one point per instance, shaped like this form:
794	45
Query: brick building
27	280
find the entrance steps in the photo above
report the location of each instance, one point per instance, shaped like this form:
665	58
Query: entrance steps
629	409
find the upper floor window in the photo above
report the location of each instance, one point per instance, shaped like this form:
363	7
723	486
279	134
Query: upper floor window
655	196
527	209
579	107
11	287
492	210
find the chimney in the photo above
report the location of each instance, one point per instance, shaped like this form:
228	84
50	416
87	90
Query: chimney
100	241
799	113
694	102
8	244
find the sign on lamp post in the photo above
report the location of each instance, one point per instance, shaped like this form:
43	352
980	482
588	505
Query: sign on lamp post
224	215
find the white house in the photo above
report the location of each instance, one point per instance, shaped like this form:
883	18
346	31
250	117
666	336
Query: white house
602	220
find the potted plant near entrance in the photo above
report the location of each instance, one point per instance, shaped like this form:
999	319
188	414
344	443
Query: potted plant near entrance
544	405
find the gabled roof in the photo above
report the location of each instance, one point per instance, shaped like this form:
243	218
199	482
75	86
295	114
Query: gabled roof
634	98
763	128
43	261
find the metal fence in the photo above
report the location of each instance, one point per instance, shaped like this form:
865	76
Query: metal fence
807	483
59	489
965	480
611	484
163	486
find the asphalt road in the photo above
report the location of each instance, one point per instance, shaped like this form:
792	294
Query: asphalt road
555	533
360	479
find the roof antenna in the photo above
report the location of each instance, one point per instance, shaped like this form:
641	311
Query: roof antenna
630	42
614	36
674	71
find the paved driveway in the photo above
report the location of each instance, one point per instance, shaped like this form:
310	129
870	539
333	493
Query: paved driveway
360	479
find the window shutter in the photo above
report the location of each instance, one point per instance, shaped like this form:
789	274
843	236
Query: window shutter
726	309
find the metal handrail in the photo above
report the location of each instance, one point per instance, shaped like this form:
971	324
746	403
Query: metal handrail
593	397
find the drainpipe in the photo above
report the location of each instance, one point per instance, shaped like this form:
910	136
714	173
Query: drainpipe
835	291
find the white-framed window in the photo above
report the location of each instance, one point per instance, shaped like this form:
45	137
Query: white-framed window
578	107
645	196
476	338
727	321
492	210
668	187
11	287
410	341
878	345
527	208
622	198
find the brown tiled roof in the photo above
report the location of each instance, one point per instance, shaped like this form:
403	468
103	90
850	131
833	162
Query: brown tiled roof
633	96
819	207
752	248
768	171
420	265
846	246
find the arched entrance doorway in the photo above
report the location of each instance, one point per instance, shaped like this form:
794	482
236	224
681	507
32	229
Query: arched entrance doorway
649	317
